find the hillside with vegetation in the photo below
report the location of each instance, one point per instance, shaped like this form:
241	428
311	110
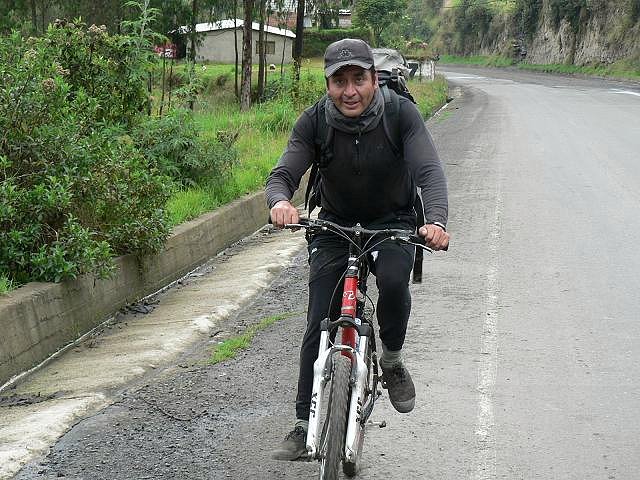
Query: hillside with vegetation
591	36
570	32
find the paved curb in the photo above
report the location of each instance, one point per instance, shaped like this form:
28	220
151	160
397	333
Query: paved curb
39	319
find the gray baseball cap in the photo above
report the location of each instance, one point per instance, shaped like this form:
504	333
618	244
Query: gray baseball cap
348	51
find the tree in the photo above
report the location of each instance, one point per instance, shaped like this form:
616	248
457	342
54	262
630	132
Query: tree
100	12
326	12
261	49
283	7
377	15
235	48
245	87
297	46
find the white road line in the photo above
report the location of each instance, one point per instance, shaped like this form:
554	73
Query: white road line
625	92
463	77
488	368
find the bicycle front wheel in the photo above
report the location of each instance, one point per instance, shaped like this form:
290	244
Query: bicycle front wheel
335	424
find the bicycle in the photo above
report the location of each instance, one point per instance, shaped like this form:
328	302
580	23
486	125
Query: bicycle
349	366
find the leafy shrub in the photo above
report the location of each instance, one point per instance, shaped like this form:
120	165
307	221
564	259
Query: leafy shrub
377	15
108	68
174	146
74	188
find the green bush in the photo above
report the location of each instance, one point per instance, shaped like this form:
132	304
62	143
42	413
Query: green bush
174	147
311	87
74	188
108	68
316	41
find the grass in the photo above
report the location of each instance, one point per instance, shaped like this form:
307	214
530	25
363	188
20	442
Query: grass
228	349
429	96
258	153
480	60
6	285
260	142
628	69
495	6
620	69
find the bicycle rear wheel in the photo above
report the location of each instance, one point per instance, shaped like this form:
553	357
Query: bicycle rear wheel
335	424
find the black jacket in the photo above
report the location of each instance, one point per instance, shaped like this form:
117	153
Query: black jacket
364	181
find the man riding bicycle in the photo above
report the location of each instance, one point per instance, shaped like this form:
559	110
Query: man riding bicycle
364	179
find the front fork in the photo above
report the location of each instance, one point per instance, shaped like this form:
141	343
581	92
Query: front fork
355	348
321	375
355	422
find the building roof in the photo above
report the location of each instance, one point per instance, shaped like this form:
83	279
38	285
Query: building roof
228	24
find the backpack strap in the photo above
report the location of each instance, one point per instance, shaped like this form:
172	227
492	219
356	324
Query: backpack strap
391	122
322	157
391	119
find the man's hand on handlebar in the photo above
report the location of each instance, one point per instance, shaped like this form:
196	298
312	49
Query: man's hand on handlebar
435	236
283	213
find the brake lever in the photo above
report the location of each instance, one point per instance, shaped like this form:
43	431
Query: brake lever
416	240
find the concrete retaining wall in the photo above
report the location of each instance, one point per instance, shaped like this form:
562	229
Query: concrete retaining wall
39	319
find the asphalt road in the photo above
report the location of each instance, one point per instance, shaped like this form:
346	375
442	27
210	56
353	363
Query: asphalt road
524	339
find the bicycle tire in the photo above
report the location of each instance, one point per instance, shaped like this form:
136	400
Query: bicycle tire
335	424
350	469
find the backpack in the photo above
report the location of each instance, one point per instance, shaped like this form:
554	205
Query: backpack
323	155
393	71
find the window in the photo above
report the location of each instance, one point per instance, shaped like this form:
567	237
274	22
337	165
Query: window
269	48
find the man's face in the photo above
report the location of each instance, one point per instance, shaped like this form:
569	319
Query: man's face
352	88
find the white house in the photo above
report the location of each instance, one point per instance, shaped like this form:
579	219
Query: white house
216	42
344	18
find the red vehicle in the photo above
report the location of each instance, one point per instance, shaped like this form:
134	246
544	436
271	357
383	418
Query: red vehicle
168	50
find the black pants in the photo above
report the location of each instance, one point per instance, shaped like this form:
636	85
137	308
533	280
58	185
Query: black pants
328	255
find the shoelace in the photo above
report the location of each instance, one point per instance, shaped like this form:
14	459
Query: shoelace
298	431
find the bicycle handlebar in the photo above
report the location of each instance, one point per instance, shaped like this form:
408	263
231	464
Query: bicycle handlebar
405	236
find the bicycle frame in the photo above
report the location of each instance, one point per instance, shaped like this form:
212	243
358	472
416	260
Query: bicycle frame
357	335
354	341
